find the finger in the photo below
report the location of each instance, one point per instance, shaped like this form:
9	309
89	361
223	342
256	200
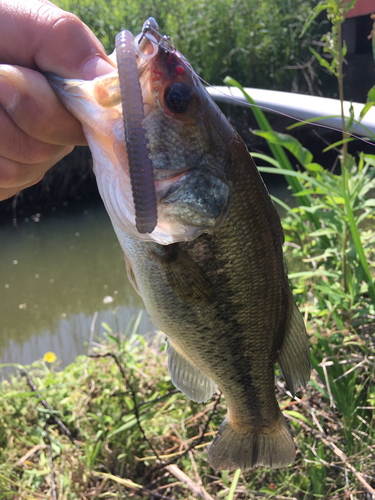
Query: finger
18	146
33	110
15	176
39	35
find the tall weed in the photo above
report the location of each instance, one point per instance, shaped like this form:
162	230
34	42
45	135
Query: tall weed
334	215
256	42
331	231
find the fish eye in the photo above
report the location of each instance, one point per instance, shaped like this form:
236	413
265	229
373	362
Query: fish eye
178	97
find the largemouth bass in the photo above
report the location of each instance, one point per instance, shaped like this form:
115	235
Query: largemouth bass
211	274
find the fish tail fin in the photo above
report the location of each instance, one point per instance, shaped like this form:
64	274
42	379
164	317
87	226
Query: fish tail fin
250	447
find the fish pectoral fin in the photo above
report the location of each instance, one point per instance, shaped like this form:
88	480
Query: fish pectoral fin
130	273
187	377
107	90
294	355
183	275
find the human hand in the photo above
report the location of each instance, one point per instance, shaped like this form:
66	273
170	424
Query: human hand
36	130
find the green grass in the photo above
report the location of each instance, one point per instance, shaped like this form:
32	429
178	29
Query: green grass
333	222
255	42
111	455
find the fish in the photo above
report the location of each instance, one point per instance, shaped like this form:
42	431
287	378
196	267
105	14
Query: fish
97	104
211	274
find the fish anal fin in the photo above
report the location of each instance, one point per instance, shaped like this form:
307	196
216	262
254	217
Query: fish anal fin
184	276
245	448
294	356
187	377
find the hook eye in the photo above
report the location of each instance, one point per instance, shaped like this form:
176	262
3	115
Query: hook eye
139	41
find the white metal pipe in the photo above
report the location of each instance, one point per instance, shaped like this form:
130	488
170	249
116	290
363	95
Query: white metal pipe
303	107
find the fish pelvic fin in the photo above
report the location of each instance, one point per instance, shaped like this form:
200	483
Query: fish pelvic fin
131	275
246	448
294	356
187	377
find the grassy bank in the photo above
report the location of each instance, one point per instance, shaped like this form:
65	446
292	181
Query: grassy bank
112	425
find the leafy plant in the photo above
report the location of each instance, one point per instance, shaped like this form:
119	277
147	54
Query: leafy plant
256	42
330	208
330	236
111	456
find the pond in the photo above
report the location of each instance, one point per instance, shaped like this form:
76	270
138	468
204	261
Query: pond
57	268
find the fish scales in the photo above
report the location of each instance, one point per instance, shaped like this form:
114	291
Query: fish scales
211	274
230	336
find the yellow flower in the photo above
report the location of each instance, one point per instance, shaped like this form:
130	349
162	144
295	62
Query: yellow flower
50	357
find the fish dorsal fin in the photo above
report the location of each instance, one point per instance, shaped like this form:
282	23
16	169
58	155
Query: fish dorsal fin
294	355
187	377
183	275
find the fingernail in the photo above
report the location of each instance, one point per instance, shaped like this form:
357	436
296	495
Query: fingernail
96	66
9	95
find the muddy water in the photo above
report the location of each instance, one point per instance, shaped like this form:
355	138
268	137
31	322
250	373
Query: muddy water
56	270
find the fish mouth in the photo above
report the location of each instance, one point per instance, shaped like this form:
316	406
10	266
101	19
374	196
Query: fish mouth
198	199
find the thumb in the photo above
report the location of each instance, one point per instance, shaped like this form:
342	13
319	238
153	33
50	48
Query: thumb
36	113
39	35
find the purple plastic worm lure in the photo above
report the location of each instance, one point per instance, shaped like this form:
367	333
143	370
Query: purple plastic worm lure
140	166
